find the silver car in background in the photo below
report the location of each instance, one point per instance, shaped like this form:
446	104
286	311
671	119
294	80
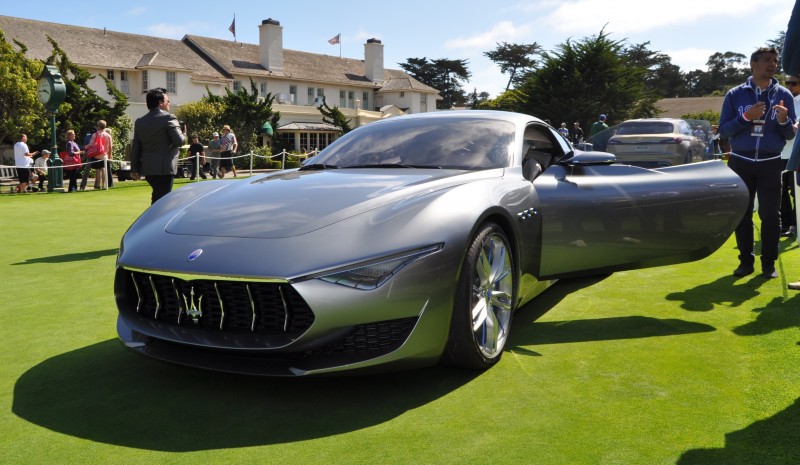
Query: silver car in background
657	142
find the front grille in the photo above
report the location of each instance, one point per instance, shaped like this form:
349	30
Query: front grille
380	337
218	306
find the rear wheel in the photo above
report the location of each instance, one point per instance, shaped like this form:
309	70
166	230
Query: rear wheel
484	304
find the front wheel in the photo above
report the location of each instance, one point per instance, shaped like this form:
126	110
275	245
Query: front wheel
484	303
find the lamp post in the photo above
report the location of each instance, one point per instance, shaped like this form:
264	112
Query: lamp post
53	91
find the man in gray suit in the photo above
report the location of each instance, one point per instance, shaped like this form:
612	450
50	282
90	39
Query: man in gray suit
157	138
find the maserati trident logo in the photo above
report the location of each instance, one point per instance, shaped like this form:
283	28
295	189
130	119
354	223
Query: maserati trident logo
193	256
193	310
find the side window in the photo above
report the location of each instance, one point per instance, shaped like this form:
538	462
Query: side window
562	144
538	145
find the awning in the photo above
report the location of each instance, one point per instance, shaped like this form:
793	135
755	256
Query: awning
266	128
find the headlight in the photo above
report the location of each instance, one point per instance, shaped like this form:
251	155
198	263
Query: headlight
373	274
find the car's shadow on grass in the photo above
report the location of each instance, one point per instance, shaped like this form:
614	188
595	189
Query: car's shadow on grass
70	257
529	332
772	441
106	394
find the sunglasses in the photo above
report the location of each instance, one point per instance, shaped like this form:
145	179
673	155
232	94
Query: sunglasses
792	83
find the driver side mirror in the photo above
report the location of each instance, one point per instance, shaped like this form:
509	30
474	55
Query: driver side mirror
588	159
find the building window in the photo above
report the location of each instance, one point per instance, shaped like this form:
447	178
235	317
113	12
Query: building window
423	102
237	85
351	98
289	140
124	85
145	85
342	99
110	75
263	89
172	84
310	96
365	100
402	94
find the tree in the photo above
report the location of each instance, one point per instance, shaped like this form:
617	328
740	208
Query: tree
20	109
245	112
443	75
82	107
334	117
661	76
778	44
725	70
477	100
515	59
201	117
581	80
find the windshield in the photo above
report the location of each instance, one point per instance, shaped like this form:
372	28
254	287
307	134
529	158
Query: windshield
645	127
444	143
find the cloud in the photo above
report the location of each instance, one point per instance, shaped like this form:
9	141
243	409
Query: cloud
504	31
634	16
138	11
690	59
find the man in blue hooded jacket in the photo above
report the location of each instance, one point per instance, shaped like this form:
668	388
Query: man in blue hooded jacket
757	118
791	65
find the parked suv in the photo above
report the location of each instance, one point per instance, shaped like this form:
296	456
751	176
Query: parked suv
657	142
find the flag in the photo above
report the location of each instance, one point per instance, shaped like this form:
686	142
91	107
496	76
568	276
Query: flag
233	27
335	39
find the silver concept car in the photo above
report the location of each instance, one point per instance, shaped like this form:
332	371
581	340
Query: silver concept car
406	242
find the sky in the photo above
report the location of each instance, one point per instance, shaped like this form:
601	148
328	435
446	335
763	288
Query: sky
689	31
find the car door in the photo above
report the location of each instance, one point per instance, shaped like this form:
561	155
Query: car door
599	218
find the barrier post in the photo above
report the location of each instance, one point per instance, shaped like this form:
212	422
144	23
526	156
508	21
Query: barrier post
55	174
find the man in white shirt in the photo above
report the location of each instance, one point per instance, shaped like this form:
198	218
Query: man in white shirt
788	210
23	159
40	167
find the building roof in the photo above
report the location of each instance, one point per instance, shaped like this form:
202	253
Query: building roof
207	59
243	59
308	126
101	48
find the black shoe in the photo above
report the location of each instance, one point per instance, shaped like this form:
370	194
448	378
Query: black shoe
769	273
743	270
791	231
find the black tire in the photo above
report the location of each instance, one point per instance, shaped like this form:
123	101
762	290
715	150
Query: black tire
484	303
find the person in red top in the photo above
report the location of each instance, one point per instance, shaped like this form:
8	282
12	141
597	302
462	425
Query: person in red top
97	160
72	161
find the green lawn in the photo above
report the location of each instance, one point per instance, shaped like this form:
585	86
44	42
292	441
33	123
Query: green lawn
673	365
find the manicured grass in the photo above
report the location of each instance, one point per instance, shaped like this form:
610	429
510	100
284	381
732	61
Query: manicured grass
680	364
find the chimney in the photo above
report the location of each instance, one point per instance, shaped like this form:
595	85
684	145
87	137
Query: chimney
270	45
373	60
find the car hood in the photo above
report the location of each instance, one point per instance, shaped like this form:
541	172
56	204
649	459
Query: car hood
288	204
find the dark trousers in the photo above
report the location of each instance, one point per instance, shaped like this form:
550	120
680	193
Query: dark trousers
110	174
788	217
161	184
42	179
72	175
763	180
